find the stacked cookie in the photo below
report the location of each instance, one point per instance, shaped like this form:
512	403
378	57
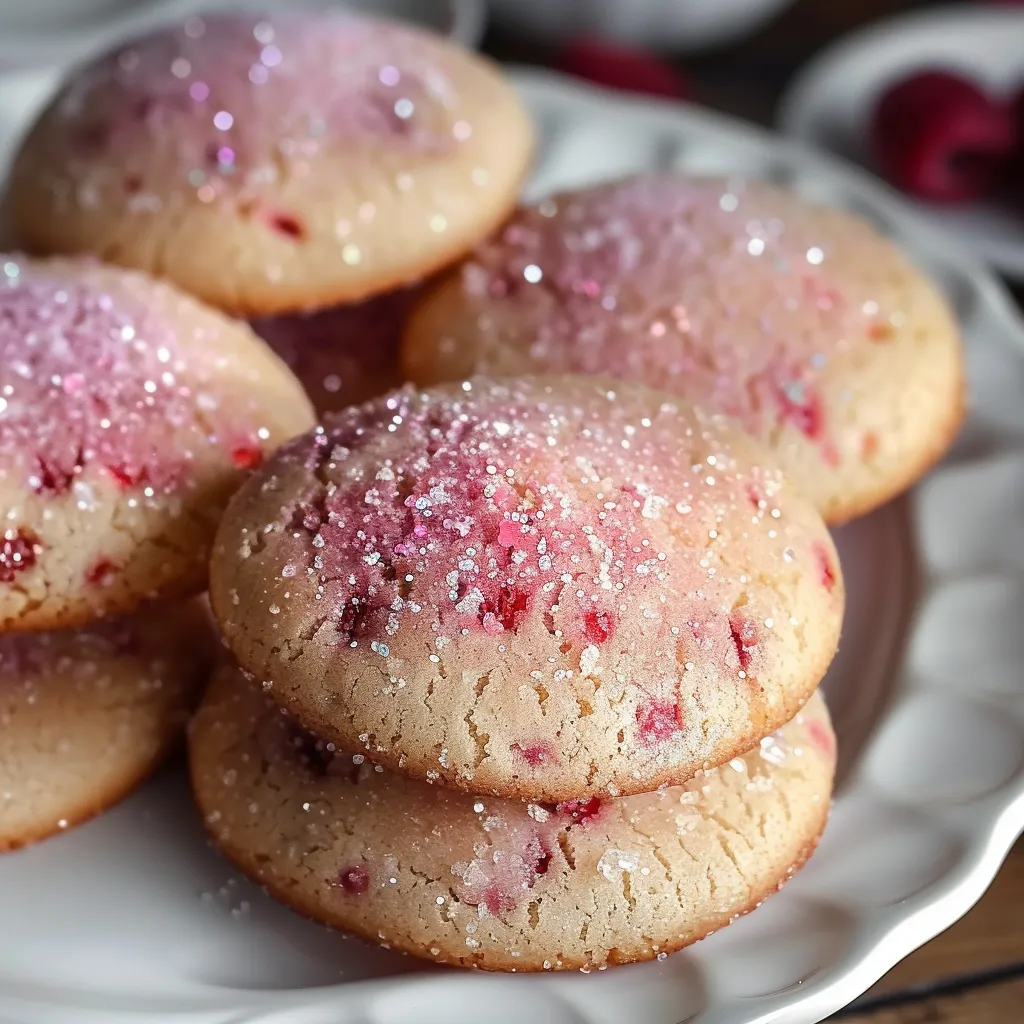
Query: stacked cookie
304	170
547	651
128	415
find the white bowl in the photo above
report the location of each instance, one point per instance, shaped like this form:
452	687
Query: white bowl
678	25
44	33
831	101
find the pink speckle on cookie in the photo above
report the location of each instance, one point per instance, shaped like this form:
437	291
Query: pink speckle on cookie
821	735
579	812
497	879
657	721
286	224
100	573
534	755
18	549
354	880
247	456
826	571
92	380
236	101
744	638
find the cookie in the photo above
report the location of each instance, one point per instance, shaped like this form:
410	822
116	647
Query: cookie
802	322
128	416
502	884
344	355
549	587
271	164
87	715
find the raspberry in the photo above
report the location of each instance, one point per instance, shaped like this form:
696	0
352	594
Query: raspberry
940	137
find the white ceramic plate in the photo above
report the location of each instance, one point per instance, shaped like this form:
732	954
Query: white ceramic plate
134	918
831	100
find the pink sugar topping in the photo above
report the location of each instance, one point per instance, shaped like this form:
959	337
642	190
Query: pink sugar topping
100	573
723	292
471	513
234	100
93	380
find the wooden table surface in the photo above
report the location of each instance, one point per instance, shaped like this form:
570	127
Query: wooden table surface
974	972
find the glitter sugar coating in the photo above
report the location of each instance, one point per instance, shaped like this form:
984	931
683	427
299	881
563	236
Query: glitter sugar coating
93	383
249	100
591	547
735	294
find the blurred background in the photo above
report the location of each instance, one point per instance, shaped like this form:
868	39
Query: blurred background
929	96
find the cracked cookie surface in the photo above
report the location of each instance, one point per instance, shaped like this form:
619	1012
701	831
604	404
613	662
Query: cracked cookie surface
275	163
129	414
548	587
804	323
502	884
87	715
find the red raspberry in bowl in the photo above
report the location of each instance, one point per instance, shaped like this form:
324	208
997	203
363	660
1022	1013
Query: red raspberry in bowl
938	136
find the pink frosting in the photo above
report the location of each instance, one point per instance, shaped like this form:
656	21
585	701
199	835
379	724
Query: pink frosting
92	381
246	98
722	292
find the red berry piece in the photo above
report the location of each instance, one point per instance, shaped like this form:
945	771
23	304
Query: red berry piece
354	880
249	456
579	811
100	573
597	627
536	755
744	639
826	574
940	137
657	721
286	224
17	553
621	67
821	736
